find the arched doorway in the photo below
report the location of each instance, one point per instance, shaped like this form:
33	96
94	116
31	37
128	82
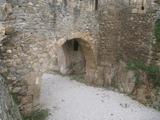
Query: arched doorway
75	56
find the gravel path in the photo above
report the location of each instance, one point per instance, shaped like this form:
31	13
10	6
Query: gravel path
69	100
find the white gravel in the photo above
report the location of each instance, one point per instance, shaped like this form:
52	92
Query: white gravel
69	100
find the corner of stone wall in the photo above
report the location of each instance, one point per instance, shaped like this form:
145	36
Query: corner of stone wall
8	108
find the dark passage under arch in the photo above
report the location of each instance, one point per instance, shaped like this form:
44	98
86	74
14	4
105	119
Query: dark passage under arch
74	57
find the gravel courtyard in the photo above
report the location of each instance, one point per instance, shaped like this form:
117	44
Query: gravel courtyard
69	100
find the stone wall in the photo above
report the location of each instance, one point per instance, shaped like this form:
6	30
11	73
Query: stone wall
27	50
124	36
110	35
8	109
117	34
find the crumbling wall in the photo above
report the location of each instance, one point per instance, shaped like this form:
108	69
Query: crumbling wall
119	35
109	33
27	50
125	37
8	108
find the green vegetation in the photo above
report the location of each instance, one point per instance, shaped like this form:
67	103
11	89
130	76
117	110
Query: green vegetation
157	31
15	98
79	78
40	114
152	72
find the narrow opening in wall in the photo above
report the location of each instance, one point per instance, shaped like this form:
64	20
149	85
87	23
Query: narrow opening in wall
142	8
96	4
75	45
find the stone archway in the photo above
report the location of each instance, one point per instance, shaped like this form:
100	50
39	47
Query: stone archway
74	61
76	56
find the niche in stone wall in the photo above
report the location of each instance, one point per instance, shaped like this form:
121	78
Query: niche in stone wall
96	4
76	56
138	6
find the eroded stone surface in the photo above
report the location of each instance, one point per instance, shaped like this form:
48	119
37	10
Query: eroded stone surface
8	108
109	37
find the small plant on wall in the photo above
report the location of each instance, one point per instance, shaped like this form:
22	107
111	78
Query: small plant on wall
157	31
152	72
40	114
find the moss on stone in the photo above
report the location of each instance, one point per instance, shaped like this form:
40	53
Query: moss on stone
40	114
15	98
79	78
157	31
152	71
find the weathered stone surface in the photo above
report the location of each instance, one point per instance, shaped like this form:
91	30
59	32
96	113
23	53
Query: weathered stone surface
8	8
8	109
9	30
6	11
2	30
109	37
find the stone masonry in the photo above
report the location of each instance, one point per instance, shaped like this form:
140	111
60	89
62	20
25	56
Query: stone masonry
8	108
108	33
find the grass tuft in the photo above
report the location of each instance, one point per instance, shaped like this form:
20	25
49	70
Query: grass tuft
152	71
79	78
157	31
40	114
